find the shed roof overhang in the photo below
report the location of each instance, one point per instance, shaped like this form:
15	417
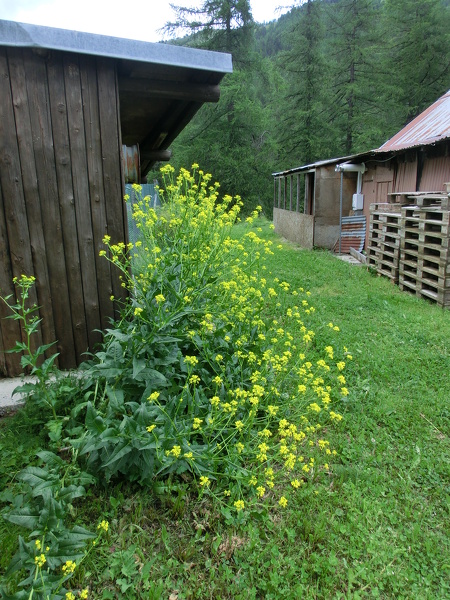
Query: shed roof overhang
323	163
161	86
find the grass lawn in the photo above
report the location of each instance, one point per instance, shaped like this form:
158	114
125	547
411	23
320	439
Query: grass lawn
376	527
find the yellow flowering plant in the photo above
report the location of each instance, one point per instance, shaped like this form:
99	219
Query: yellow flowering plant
237	404
54	550
33	361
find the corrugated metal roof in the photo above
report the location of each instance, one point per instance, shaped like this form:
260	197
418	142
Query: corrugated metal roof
51	38
321	163
431	126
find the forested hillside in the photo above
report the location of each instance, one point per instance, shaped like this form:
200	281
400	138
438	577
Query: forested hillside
329	78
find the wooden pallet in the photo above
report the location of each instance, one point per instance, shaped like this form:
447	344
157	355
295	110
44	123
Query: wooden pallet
438	295
441	200
438	265
388	270
424	263
385	207
372	255
409	246
382	220
384	239
438	280
426	213
425	289
408	269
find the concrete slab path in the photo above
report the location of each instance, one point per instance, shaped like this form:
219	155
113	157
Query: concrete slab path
7	387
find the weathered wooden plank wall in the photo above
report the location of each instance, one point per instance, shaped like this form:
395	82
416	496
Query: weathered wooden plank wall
61	191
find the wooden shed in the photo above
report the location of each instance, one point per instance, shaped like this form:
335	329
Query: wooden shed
326	196
69	101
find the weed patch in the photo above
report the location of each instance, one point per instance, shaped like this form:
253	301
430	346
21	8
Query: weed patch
262	422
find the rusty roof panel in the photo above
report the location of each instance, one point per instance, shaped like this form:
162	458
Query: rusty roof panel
431	126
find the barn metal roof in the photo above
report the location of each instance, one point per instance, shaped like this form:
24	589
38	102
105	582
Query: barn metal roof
431	126
161	86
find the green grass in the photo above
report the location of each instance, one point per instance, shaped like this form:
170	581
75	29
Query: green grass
378	527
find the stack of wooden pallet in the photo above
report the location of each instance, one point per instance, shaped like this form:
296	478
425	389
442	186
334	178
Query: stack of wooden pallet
410	244
424	267
383	252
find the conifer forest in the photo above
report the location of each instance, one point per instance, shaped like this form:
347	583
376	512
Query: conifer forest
329	78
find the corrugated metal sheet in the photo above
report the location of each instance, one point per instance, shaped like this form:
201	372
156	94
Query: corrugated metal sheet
406	177
431	126
353	234
436	172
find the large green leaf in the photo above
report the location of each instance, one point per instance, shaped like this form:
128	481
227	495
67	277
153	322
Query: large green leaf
50	458
153	378
24	517
37	478
118	452
93	420
139	365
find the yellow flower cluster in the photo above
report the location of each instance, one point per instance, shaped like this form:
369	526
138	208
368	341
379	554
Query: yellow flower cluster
253	372
40	560
191	360
103	525
69	567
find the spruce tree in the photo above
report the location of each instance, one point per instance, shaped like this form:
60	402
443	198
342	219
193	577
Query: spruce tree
353	43
301	124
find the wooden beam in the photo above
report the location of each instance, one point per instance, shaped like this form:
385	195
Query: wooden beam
173	90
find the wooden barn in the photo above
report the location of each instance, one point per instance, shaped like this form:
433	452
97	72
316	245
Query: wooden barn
69	103
327	203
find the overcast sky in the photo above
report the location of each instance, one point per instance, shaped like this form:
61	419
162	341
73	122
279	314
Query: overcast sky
137	19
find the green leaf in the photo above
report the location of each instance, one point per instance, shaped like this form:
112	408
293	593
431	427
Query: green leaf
22	595
54	428
24	517
19	347
42	349
50	458
77	409
26	388
71	492
118	335
93	420
19	558
114	351
120	451
35	476
139	365
116	398
108	371
153	378
47	365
